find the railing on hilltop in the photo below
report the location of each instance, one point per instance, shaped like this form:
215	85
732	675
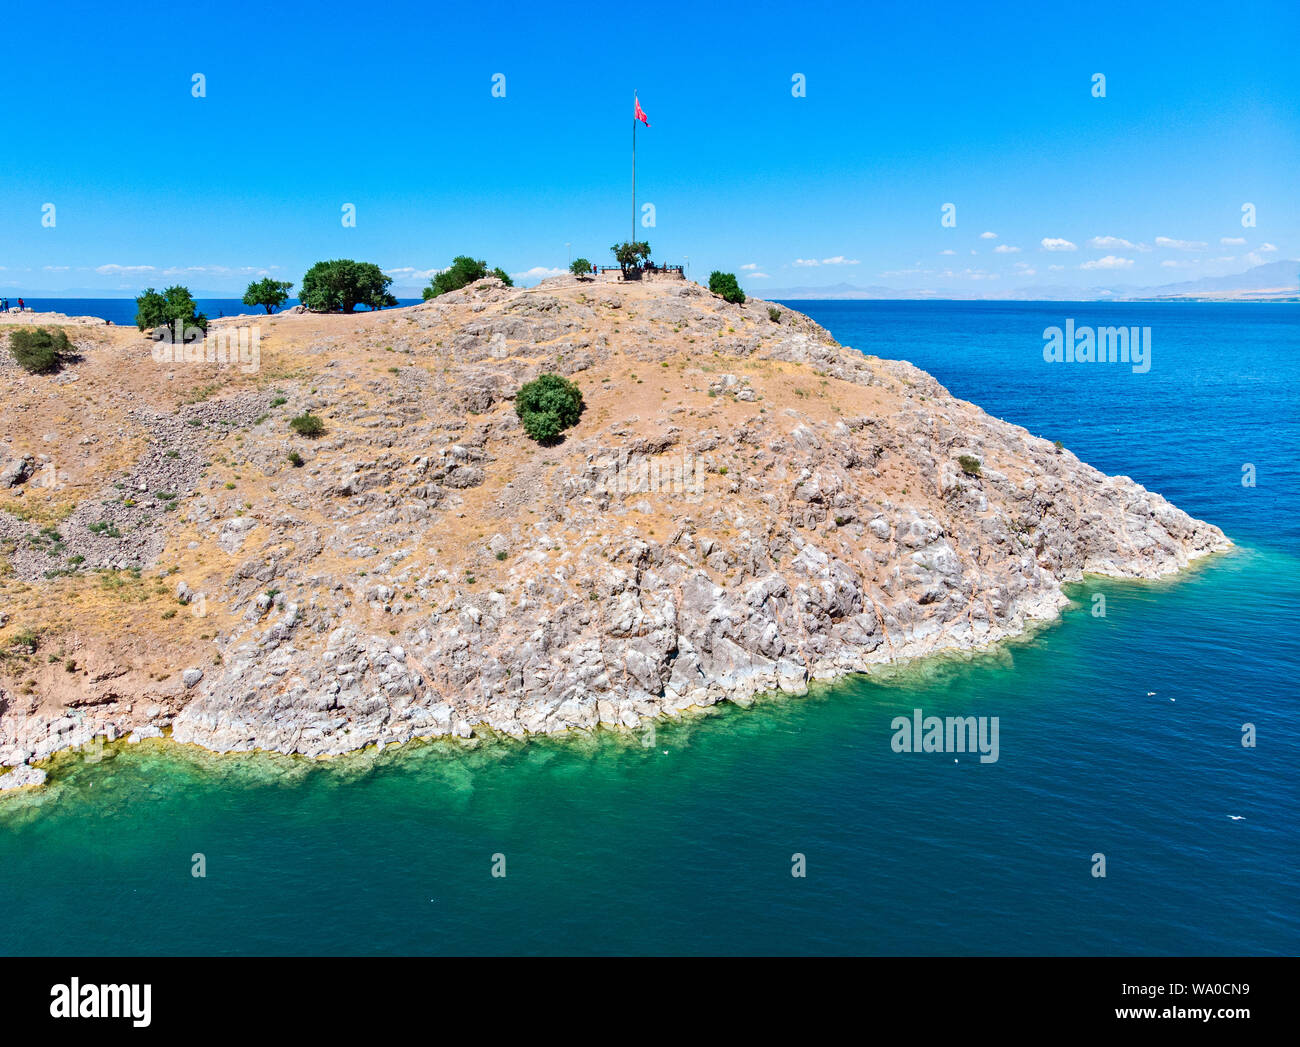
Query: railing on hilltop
650	269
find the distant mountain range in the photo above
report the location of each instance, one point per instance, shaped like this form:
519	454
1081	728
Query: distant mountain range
1275	281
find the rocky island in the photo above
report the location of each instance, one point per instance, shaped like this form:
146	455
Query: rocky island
744	506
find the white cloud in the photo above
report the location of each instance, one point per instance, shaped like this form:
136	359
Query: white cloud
1232	241
750	265
1105	243
115	268
988	236
1006	249
1052	243
839	259
806	261
756	276
1055	268
1266	248
1109	262
948	250
537	272
1181	245
406	272
1178	263
55	268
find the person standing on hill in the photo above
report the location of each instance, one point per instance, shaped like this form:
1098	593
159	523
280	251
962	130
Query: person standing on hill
20	305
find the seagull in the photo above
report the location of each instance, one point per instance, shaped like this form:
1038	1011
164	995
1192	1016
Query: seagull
1151	694
1237	817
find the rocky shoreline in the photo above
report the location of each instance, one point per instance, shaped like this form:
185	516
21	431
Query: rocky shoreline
745	507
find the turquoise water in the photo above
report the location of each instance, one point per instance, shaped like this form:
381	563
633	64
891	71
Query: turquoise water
612	845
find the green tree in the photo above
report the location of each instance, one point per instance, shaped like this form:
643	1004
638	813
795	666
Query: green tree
464	271
631	255
163	310
579	266
341	285
725	285
269	293
37	351
548	406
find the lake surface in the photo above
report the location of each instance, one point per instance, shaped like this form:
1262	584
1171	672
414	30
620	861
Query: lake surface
681	840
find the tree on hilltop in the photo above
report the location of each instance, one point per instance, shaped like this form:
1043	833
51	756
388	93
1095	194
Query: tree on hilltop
463	271
341	285
163	310
631	255
269	293
727	287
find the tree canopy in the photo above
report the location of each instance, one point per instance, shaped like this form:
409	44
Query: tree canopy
631	255
464	271
726	285
548	406
163	310
341	285
269	293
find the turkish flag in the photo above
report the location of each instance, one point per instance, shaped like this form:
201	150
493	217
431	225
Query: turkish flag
640	113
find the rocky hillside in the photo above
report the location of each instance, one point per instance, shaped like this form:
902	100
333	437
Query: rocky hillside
744	506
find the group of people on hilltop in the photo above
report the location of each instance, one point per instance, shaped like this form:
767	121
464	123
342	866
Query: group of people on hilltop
4	305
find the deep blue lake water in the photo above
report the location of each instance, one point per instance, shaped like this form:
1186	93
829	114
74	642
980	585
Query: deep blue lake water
685	845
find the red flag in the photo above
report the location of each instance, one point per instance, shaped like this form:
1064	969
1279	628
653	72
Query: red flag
640	113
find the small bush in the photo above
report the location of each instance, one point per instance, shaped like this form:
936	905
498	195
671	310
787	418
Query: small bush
307	424
580	267
295	459
463	271
726	286
548	406
37	351
970	465
774	314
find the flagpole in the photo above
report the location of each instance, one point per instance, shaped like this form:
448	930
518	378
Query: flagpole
633	169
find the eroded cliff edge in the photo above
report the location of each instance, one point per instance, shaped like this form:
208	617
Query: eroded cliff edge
745	505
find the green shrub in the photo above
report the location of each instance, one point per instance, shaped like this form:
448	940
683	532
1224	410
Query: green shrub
307	424
725	286
548	406
580	266
463	272
295	459
39	351
163	310
970	465
341	285
774	314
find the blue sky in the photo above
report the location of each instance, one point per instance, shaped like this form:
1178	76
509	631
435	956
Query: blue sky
907	107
